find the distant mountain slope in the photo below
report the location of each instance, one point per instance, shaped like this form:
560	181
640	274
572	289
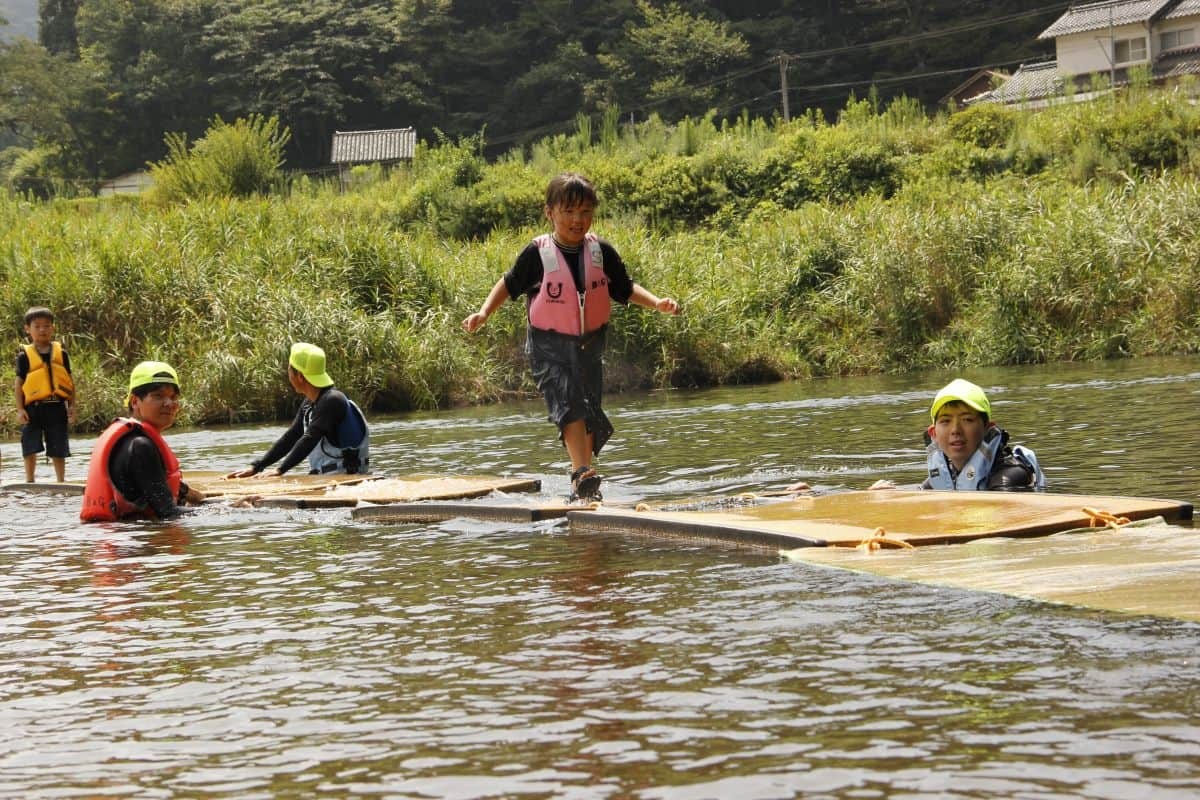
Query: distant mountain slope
22	16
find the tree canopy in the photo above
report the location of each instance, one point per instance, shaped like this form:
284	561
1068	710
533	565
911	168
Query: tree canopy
109	78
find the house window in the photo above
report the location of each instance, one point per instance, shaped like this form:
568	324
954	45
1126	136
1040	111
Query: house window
1127	50
1172	39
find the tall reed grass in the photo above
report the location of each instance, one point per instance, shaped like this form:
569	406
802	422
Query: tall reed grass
886	241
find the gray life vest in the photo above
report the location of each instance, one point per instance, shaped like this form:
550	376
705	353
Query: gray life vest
975	473
328	458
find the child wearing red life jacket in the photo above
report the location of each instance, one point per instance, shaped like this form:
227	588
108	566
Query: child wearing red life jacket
569	279
133	472
45	395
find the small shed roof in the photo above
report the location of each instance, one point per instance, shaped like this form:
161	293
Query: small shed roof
1097	16
1029	82
1179	63
364	147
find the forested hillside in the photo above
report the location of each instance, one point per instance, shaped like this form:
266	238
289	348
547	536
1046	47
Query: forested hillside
110	77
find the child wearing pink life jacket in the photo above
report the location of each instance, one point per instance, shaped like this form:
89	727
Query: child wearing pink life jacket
133	472
568	279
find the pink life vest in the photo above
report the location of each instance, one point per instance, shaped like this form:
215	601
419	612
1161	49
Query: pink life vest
557	307
101	500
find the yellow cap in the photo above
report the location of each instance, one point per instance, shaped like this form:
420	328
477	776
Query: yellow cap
960	391
309	361
149	372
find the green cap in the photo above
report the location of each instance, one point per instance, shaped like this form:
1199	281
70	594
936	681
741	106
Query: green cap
309	361
149	372
961	391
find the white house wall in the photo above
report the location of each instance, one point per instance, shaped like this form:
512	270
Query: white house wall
1083	53
1181	24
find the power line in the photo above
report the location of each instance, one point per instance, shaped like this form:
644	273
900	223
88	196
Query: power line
916	37
762	66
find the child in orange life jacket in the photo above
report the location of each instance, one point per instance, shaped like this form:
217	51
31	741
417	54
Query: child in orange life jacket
568	279
45	394
133	472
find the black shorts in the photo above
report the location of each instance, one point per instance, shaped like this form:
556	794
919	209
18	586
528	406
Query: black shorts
48	422
570	374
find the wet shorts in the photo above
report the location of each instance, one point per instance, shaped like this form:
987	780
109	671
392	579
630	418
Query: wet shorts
570	375
48	423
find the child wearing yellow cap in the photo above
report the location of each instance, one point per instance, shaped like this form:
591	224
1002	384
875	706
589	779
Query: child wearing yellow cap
969	452
329	428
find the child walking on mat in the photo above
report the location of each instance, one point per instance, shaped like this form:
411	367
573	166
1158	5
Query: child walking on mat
568	279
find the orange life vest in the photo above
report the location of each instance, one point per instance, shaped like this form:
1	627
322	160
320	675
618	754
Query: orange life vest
101	500
557	306
47	377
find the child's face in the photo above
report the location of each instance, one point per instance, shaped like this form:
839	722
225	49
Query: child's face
40	330
571	222
958	431
159	407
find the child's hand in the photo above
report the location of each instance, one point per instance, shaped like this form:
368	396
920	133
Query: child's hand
799	486
22	416
667	305
241	473
882	483
474	322
71	414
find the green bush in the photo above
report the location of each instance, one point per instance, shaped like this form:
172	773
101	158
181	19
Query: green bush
982	125
231	160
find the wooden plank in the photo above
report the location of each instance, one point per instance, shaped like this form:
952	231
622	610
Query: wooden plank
433	487
440	512
348	492
45	488
847	518
215	484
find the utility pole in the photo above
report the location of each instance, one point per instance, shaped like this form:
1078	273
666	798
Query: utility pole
1112	48
783	86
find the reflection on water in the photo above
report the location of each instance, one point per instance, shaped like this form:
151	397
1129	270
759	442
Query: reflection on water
269	653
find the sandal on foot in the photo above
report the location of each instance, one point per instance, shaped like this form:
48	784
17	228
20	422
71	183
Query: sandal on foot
585	484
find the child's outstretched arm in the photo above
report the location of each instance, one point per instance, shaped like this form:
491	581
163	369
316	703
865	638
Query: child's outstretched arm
644	297
495	299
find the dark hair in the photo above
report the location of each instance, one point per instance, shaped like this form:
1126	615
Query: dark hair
982	414
146	388
570	189
38	312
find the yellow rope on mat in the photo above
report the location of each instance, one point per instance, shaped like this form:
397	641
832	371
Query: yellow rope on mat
1103	519
880	538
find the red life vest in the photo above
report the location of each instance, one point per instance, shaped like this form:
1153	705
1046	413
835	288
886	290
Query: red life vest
556	306
101	500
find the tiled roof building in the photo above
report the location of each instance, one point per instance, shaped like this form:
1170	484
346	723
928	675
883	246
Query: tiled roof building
370	147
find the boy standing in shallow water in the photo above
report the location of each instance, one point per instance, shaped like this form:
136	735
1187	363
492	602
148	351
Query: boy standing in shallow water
569	278
45	394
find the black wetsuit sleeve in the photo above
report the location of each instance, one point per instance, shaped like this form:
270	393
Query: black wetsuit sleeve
525	275
136	469
66	361
22	365
1010	474
328	413
284	443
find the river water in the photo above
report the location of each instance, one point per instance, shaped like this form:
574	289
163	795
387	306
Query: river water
285	653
